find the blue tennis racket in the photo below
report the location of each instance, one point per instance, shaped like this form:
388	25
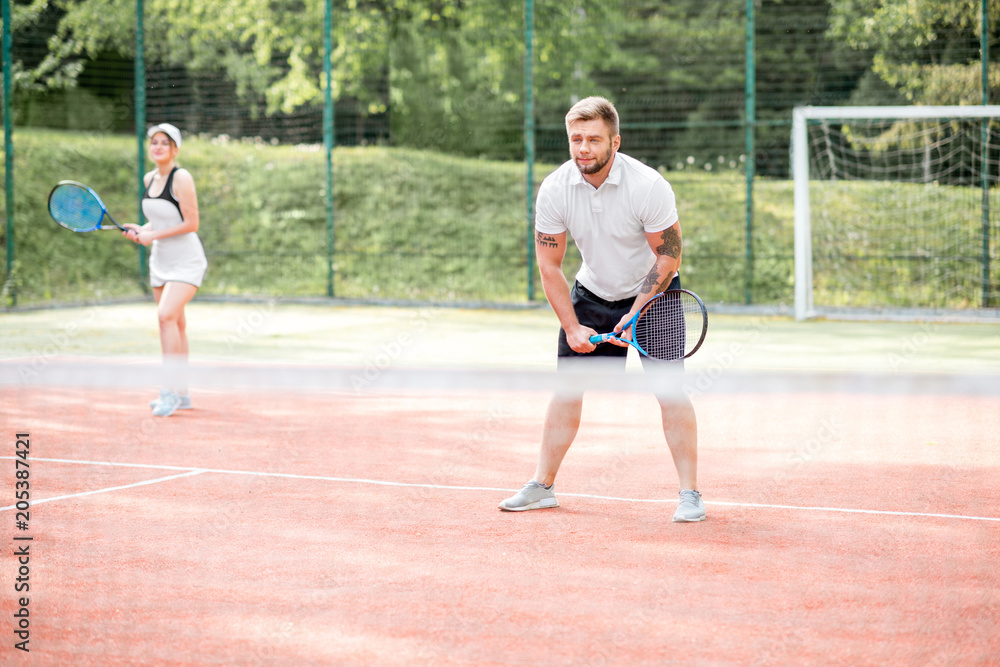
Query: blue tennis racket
75	206
670	326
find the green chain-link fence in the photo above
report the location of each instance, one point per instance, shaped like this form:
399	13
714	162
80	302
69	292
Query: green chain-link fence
439	113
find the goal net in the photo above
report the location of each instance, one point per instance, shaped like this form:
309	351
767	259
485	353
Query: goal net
896	208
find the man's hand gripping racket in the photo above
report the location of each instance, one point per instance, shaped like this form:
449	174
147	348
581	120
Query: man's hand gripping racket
670	326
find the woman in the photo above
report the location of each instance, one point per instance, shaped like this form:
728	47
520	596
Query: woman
177	263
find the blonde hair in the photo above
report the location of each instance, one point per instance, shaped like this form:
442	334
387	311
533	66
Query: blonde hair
593	108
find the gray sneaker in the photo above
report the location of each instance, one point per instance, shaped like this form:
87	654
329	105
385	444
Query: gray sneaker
532	496
690	508
185	400
167	405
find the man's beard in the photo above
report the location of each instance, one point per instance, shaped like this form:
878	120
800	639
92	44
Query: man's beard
596	165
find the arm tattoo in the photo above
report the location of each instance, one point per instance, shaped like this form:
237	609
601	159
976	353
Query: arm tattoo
545	240
651	283
671	245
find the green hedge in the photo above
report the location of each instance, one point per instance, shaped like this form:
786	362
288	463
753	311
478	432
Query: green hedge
419	225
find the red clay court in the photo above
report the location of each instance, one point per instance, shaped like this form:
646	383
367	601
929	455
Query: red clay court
346	528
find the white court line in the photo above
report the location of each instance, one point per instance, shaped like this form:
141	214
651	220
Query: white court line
356	480
37	501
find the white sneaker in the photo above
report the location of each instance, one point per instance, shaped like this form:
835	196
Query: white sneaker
185	400
164	392
690	508
167	405
532	496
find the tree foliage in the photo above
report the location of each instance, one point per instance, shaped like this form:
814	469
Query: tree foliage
449	74
434	63
927	51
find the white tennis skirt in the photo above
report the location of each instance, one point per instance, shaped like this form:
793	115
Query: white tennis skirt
178	259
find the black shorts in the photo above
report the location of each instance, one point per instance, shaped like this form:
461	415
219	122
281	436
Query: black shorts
602	316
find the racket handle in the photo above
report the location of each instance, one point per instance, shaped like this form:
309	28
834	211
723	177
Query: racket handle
602	338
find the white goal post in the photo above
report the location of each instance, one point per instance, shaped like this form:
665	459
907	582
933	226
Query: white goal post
801	116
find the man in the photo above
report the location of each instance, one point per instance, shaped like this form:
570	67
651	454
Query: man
623	218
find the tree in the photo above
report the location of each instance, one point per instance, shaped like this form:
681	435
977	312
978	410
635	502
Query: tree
927	51
441	68
457	69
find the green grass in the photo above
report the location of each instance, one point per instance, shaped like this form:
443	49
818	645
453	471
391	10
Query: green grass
411	225
417	225
408	224
918	243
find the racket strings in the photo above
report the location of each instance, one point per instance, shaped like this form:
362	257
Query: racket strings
670	326
75	208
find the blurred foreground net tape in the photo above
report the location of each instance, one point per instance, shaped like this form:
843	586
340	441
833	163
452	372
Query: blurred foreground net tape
369	379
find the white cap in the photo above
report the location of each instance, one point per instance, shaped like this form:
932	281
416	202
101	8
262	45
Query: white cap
168	130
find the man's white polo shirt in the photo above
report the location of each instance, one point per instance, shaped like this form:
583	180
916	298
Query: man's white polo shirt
609	223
